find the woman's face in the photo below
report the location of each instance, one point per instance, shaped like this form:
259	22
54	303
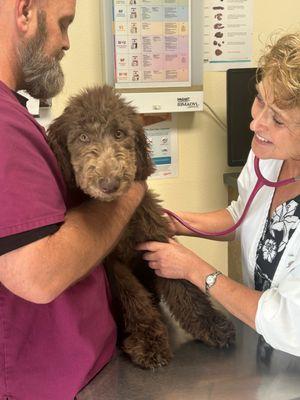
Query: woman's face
276	131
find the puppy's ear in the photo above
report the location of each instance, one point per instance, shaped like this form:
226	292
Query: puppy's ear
144	163
57	139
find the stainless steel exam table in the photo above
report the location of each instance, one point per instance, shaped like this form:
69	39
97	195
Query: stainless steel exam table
249	370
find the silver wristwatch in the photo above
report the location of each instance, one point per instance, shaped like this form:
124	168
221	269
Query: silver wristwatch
210	280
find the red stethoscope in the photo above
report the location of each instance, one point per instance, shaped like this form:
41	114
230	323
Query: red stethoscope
261	181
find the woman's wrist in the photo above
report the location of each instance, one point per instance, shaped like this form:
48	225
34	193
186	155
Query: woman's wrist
199	272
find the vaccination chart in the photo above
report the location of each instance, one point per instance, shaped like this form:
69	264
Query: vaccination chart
152	41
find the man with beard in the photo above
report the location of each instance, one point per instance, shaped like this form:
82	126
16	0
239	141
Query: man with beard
57	330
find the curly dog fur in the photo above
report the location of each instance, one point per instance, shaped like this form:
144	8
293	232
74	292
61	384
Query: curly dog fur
101	147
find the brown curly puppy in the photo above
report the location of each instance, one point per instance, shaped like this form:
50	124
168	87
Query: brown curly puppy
101	147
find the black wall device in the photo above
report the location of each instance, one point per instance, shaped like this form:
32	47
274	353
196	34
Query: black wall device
240	95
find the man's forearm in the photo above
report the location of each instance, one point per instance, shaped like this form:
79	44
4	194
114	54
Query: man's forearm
42	270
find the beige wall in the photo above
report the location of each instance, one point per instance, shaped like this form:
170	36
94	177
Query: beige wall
202	143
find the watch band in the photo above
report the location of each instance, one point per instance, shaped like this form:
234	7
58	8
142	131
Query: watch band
210	280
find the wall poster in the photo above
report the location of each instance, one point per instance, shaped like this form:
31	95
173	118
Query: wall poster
162	137
228	31
152	43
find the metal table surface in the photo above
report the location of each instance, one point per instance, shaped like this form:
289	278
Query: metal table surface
249	370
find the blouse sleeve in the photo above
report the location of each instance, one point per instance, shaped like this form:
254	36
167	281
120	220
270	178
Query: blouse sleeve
278	315
236	207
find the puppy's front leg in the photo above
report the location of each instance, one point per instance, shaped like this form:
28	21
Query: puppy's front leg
145	335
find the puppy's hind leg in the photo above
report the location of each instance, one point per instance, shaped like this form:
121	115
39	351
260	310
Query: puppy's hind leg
195	313
146	337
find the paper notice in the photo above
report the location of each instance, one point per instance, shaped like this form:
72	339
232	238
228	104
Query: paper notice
228	26
152	43
162	137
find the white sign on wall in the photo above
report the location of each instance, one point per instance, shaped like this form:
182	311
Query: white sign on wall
228	32
162	137
152	42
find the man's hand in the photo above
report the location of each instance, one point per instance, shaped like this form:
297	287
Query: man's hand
138	189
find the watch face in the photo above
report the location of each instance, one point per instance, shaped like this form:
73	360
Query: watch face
210	280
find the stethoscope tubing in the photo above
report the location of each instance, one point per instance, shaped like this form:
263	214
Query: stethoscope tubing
261	181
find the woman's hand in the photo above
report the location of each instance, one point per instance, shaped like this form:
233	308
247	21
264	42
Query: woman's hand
171	224
170	260
175	227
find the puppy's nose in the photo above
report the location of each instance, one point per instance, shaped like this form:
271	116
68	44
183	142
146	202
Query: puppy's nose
109	185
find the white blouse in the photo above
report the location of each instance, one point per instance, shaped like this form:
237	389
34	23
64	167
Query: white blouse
278	314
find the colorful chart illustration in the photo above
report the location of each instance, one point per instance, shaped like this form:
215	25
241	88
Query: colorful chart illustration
152	40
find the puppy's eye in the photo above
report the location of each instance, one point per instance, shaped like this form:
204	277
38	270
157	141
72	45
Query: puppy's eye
119	134
84	138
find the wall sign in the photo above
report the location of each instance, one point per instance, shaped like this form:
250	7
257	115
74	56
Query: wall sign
152	42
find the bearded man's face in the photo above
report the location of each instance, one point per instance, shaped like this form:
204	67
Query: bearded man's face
43	77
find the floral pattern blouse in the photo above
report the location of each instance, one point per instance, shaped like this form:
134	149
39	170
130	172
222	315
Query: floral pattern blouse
277	231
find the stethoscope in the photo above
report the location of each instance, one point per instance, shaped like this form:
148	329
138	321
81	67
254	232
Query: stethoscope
261	181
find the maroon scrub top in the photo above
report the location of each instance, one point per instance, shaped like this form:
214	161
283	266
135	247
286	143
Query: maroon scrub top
47	351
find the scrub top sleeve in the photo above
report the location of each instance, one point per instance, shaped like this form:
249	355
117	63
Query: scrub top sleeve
32	188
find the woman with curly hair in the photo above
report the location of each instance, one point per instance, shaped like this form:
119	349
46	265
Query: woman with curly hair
269	299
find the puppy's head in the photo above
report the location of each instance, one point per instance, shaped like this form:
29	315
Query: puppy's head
100	143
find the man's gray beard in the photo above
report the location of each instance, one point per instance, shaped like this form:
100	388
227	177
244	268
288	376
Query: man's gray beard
43	77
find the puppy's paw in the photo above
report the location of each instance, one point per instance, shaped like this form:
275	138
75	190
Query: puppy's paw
147	351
